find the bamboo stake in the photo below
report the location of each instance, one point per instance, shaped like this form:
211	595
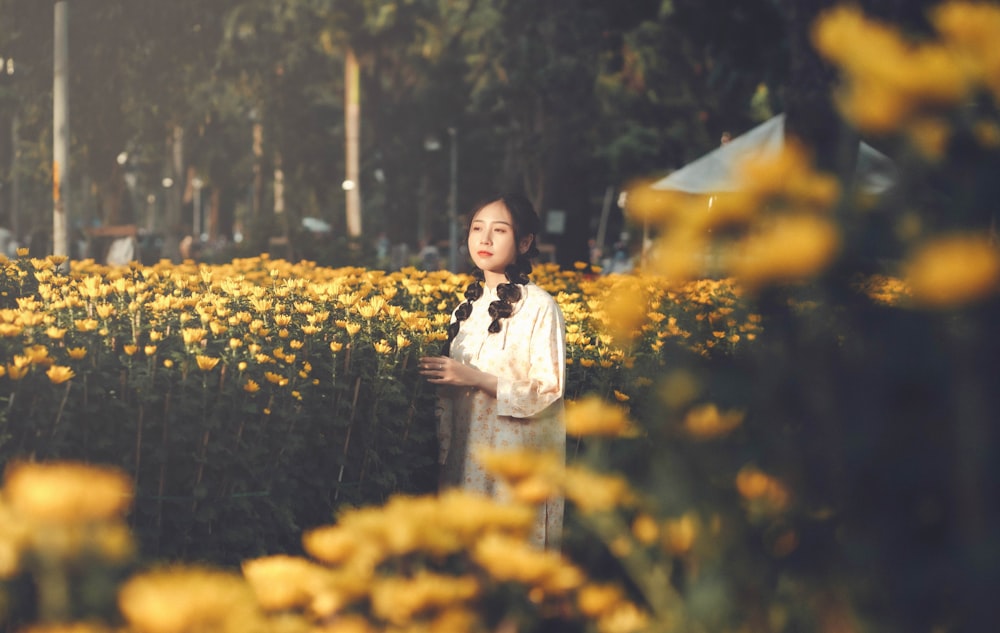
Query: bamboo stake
161	487
347	441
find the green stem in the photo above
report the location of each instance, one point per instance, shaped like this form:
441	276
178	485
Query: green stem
62	407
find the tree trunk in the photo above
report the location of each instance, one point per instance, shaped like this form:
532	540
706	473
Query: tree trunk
352	127
810	116
172	195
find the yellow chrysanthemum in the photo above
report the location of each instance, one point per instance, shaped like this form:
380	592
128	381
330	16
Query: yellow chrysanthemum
399	600
707	422
953	270
178	600
788	249
679	534
206	363
193	336
282	583
755	485
593	492
593	416
67	492
509	559
58	374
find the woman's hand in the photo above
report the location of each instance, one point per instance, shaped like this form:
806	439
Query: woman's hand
444	370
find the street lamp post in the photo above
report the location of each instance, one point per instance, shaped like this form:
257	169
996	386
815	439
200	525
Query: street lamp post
7	68
196	230
453	204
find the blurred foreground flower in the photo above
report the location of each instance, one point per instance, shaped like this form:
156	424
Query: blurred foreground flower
707	422
182	599
67	492
953	270
889	80
592	416
788	249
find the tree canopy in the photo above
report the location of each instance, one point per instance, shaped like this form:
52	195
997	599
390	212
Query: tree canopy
562	100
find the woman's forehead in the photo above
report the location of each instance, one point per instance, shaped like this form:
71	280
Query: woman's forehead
494	212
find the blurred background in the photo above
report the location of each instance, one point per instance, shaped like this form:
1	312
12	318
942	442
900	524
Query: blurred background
216	128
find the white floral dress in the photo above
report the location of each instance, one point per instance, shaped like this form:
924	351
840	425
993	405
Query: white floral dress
528	355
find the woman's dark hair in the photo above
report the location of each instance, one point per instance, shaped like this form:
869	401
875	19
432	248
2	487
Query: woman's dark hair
526	222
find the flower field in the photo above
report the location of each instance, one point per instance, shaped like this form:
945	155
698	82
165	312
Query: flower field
252	399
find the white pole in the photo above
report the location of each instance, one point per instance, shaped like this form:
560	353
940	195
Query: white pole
352	126
453	205
60	130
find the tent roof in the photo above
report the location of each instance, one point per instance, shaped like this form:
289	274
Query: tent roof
715	172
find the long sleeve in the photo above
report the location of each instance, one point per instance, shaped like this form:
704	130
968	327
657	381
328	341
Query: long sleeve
544	382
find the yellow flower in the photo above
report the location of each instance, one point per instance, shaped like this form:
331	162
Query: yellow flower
592	416
55	333
626	617
86	325
282	583
352	328
645	529
58	374
787	249
17	372
706	422
67	492
399	599
149	350
251	386
330	544
510	559
953	270
383	347
182	599
336	347
193	336
168	363
596	600
38	355
74	627
276	379
217	327
130	349
206	363
679	534
755	485
592	492
77	353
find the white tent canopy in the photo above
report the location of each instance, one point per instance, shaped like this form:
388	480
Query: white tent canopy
715	172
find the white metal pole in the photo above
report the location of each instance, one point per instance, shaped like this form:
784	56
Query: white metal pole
453	205
60	130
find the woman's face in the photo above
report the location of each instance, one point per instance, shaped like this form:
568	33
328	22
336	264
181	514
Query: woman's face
492	243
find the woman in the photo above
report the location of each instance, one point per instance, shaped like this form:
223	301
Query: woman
502	372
